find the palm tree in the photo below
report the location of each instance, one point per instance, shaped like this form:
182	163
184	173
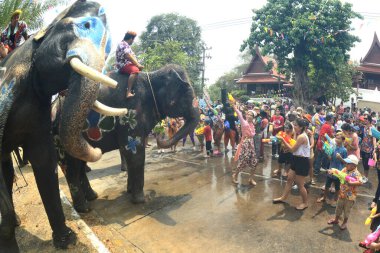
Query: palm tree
32	11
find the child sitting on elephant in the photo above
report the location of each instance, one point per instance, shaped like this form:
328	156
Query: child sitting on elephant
126	61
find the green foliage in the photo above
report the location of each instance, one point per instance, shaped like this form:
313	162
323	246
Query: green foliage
163	53
172	34
228	80
32	12
244	98
304	33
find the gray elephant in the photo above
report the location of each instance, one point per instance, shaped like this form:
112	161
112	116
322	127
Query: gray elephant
68	54
165	92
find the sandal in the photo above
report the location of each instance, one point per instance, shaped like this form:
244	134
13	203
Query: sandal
301	208
252	182
343	226
234	179
332	221
321	199
278	201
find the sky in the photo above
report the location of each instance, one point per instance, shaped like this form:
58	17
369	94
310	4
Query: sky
225	25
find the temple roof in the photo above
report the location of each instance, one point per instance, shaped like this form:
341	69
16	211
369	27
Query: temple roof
257	73
372	58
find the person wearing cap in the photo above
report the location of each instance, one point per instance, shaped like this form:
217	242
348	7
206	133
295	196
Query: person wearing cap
347	192
126	61
12	35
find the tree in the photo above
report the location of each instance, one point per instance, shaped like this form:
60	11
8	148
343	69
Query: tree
32	11
228	80
167	30
304	35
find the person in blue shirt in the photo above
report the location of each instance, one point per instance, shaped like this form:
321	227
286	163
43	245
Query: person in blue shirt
336	162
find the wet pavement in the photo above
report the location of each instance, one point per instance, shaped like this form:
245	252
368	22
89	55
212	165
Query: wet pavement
192	206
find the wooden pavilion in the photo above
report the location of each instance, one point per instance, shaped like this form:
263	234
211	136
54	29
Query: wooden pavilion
259	78
370	67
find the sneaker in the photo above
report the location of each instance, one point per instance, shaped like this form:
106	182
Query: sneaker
276	156
323	170
195	148
364	180
295	187
312	182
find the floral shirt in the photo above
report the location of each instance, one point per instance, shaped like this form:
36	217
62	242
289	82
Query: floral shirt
122	50
14	40
347	191
367	142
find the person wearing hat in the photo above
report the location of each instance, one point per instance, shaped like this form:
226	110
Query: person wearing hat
347	192
126	61
12	35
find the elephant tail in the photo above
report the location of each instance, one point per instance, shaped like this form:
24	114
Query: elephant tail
7	227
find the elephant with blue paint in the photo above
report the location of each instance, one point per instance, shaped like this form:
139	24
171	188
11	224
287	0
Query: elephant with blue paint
166	92
69	55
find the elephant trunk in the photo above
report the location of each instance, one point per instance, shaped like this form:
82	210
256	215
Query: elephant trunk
81	96
190	124
7	229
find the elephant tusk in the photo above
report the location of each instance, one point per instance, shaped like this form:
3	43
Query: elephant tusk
91	73
108	111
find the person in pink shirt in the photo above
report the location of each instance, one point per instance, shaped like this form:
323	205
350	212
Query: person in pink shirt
245	154
278	125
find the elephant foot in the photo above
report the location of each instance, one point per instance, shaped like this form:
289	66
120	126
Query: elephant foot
91	195
137	198
9	245
64	240
83	207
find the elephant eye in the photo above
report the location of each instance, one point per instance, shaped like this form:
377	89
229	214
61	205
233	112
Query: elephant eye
87	25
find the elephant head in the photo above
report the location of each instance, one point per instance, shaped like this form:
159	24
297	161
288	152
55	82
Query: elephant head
74	48
176	100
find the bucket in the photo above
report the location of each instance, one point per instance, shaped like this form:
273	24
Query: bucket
371	162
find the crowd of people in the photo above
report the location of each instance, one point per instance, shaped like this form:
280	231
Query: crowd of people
306	142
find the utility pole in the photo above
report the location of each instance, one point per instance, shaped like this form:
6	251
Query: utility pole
204	56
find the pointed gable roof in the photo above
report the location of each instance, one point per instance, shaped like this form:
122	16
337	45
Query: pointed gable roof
373	55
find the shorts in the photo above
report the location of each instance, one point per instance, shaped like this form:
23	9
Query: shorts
300	165
129	69
344	206
285	157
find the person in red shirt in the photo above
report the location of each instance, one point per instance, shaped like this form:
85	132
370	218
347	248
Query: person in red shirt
321	159
208	136
278	125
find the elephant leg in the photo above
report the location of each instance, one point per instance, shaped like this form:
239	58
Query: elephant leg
74	171
42	156
9	174
89	193
8	217
123	152
136	163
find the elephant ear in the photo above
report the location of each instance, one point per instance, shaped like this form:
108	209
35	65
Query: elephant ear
41	34
175	73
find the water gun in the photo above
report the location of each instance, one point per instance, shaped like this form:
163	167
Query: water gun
375	133
343	177
231	98
372	237
320	120
287	138
199	130
273	139
329	145
369	219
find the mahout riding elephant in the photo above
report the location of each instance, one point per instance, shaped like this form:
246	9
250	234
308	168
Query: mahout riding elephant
68	54
165	92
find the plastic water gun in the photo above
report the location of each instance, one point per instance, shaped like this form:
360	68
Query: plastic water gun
343	177
372	237
273	139
375	133
320	121
329	150
287	138
369	219
231	98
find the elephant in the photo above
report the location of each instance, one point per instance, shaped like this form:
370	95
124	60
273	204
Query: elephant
69	54
158	94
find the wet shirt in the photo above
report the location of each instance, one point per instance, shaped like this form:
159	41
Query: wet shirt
247	129
207	133
278	123
325	129
335	162
14	40
350	192
122	50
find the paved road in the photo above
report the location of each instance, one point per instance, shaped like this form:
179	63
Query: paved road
193	207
